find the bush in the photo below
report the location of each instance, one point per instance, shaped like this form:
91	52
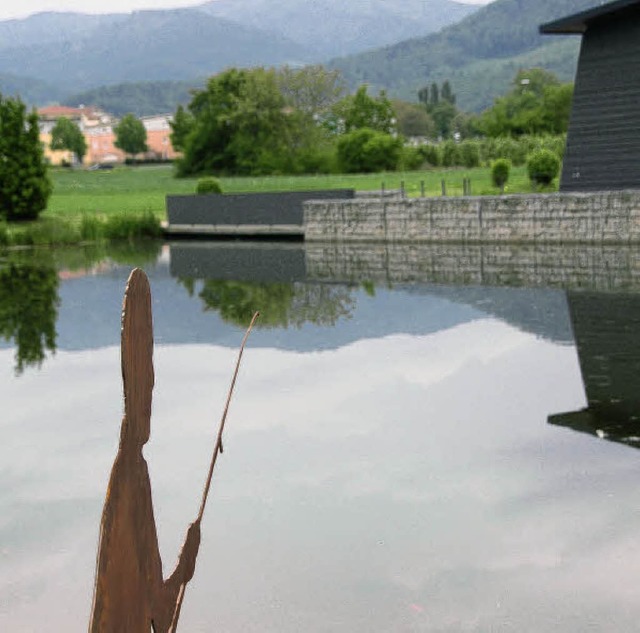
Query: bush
208	185
411	159
500	170
366	150
451	155
469	154
542	166
431	155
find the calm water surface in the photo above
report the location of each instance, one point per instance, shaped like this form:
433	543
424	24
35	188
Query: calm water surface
398	456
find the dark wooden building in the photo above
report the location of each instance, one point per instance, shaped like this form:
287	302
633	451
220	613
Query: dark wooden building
603	143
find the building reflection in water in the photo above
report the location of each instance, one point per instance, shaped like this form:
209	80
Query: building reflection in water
606	327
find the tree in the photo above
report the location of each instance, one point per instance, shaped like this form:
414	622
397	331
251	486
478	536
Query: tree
366	150
440	104
361	110
242	125
67	135
25	186
131	135
536	104
312	89
181	125
413	119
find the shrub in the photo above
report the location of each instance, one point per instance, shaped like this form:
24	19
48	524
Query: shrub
431	154
500	170
542	166
366	150
451	156
208	185
469	154
410	159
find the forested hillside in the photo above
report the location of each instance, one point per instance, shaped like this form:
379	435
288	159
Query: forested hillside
479	55
150	45
140	98
336	27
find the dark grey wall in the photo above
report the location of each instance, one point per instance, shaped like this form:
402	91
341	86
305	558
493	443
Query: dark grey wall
603	144
239	261
246	208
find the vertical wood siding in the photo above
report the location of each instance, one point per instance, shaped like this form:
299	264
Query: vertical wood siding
603	143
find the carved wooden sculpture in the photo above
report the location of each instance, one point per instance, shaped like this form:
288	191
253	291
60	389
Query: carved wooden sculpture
130	593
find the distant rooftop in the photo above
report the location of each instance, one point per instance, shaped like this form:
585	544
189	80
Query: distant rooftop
578	23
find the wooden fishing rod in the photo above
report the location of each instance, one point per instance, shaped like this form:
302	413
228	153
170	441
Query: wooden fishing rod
218	448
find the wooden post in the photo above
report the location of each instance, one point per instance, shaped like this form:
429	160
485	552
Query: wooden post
444	187
422	188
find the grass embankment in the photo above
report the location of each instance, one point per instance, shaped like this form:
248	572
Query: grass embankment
129	202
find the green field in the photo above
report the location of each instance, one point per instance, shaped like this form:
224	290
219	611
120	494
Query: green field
135	190
128	203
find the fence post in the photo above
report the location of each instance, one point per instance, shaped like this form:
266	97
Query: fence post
422	188
444	187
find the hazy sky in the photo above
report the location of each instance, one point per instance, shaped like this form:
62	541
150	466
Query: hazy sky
22	9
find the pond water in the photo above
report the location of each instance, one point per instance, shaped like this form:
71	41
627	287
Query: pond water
410	447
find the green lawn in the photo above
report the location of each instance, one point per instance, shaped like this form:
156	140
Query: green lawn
142	189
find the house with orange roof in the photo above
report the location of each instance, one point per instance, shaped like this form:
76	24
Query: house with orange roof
98	129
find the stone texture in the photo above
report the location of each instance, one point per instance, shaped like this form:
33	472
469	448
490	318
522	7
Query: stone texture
600	217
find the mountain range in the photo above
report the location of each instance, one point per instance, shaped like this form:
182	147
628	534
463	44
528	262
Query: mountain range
479	55
62	57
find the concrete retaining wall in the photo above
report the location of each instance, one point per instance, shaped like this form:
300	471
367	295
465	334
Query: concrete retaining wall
272	208
599	217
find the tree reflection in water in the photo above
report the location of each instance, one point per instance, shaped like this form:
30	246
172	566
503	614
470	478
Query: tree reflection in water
29	307
280	304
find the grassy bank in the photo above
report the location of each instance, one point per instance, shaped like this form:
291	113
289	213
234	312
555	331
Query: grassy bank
129	202
143	189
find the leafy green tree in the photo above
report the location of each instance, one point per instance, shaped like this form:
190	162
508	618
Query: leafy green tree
241	125
181	125
309	93
28	308
361	110
536	104
413	119
440	104
67	135
447	93
366	150
312	89
25	186
131	135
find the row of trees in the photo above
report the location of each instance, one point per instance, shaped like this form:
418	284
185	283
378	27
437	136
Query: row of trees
536	103
131	136
261	121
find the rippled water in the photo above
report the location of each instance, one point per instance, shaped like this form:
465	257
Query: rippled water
402	454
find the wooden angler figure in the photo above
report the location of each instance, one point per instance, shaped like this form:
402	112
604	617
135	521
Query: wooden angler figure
130	593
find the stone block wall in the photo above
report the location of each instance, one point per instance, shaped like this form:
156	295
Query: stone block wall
609	217
598	267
